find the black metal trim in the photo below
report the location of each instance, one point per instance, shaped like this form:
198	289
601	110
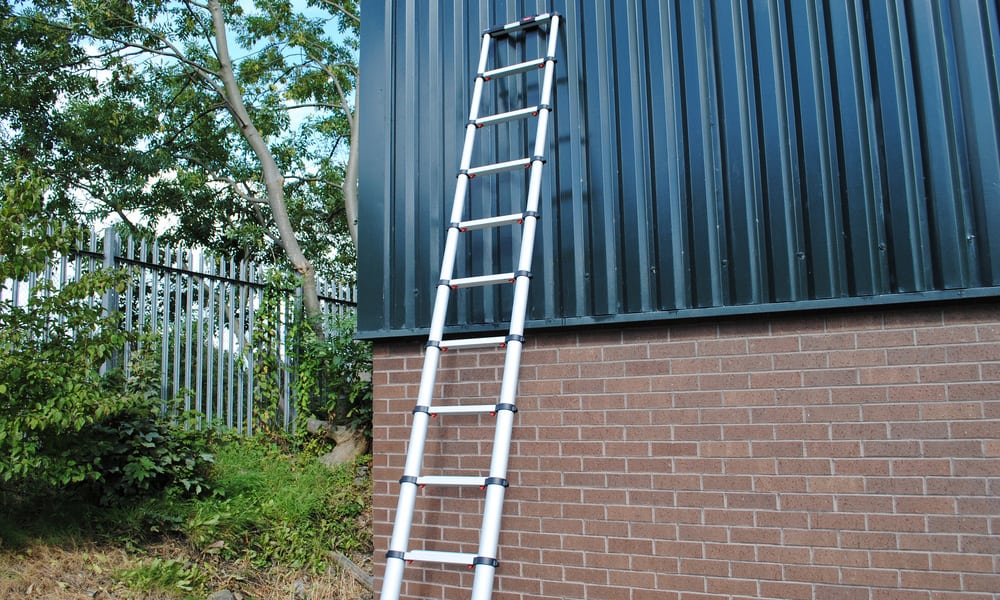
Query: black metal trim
497	481
395	554
421	409
454	225
444	282
531	213
514	338
538	158
505	406
547	107
408	479
523	273
485	560
433	344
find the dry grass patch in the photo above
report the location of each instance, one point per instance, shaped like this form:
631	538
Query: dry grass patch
88	571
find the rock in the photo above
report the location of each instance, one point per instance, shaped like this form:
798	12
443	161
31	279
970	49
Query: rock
222	595
350	445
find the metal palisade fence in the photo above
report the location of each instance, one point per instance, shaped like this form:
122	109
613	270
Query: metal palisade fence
198	318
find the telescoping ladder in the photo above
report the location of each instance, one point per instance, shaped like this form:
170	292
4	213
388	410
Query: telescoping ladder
483	562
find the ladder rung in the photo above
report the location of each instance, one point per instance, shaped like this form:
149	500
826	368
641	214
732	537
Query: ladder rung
452	480
521	113
468	409
465	282
513	26
451	558
514	69
510	165
484	342
515	219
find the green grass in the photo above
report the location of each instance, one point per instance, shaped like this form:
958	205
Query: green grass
268	507
272	507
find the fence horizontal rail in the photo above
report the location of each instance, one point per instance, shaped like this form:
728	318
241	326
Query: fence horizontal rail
198	316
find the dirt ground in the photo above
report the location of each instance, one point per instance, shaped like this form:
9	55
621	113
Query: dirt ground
89	572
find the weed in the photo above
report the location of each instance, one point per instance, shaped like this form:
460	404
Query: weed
164	574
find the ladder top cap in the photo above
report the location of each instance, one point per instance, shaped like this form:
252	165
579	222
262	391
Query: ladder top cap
523	23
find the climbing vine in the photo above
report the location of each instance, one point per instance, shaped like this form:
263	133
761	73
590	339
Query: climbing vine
300	375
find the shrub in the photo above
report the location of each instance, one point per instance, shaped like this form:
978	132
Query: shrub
51	348
64	423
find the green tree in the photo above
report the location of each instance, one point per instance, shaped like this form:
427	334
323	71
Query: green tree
234	126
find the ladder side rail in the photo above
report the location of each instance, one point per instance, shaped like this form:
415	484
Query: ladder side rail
393	576
482	585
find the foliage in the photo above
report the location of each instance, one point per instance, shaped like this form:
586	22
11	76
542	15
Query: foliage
330	378
273	507
164	574
66	420
51	349
123	104
335	375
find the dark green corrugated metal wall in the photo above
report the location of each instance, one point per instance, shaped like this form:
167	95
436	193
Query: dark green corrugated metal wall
710	157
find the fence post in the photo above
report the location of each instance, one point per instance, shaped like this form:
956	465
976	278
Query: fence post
110	300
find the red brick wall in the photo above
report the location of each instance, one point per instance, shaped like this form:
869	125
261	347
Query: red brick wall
845	455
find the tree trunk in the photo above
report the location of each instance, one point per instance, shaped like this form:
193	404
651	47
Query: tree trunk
273	179
351	180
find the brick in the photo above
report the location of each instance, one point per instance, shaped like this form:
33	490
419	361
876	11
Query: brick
934	580
858	358
951	334
801	361
731	586
899	594
869	540
811	574
808	538
746	364
811	466
885	339
786	517
828	341
928	542
721	347
894	485
918	393
864	504
662	350
806	502
955	524
788	590
776	379
973	391
982	582
694	365
952	411
785	449
900	560
779	483
832	414
840	592
838	521
744	431
921	467
922	431
696	566
889	375
835	449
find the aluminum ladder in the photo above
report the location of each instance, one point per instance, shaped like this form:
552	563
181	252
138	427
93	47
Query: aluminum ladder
483	562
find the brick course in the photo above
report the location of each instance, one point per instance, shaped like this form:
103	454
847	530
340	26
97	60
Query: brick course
851	455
